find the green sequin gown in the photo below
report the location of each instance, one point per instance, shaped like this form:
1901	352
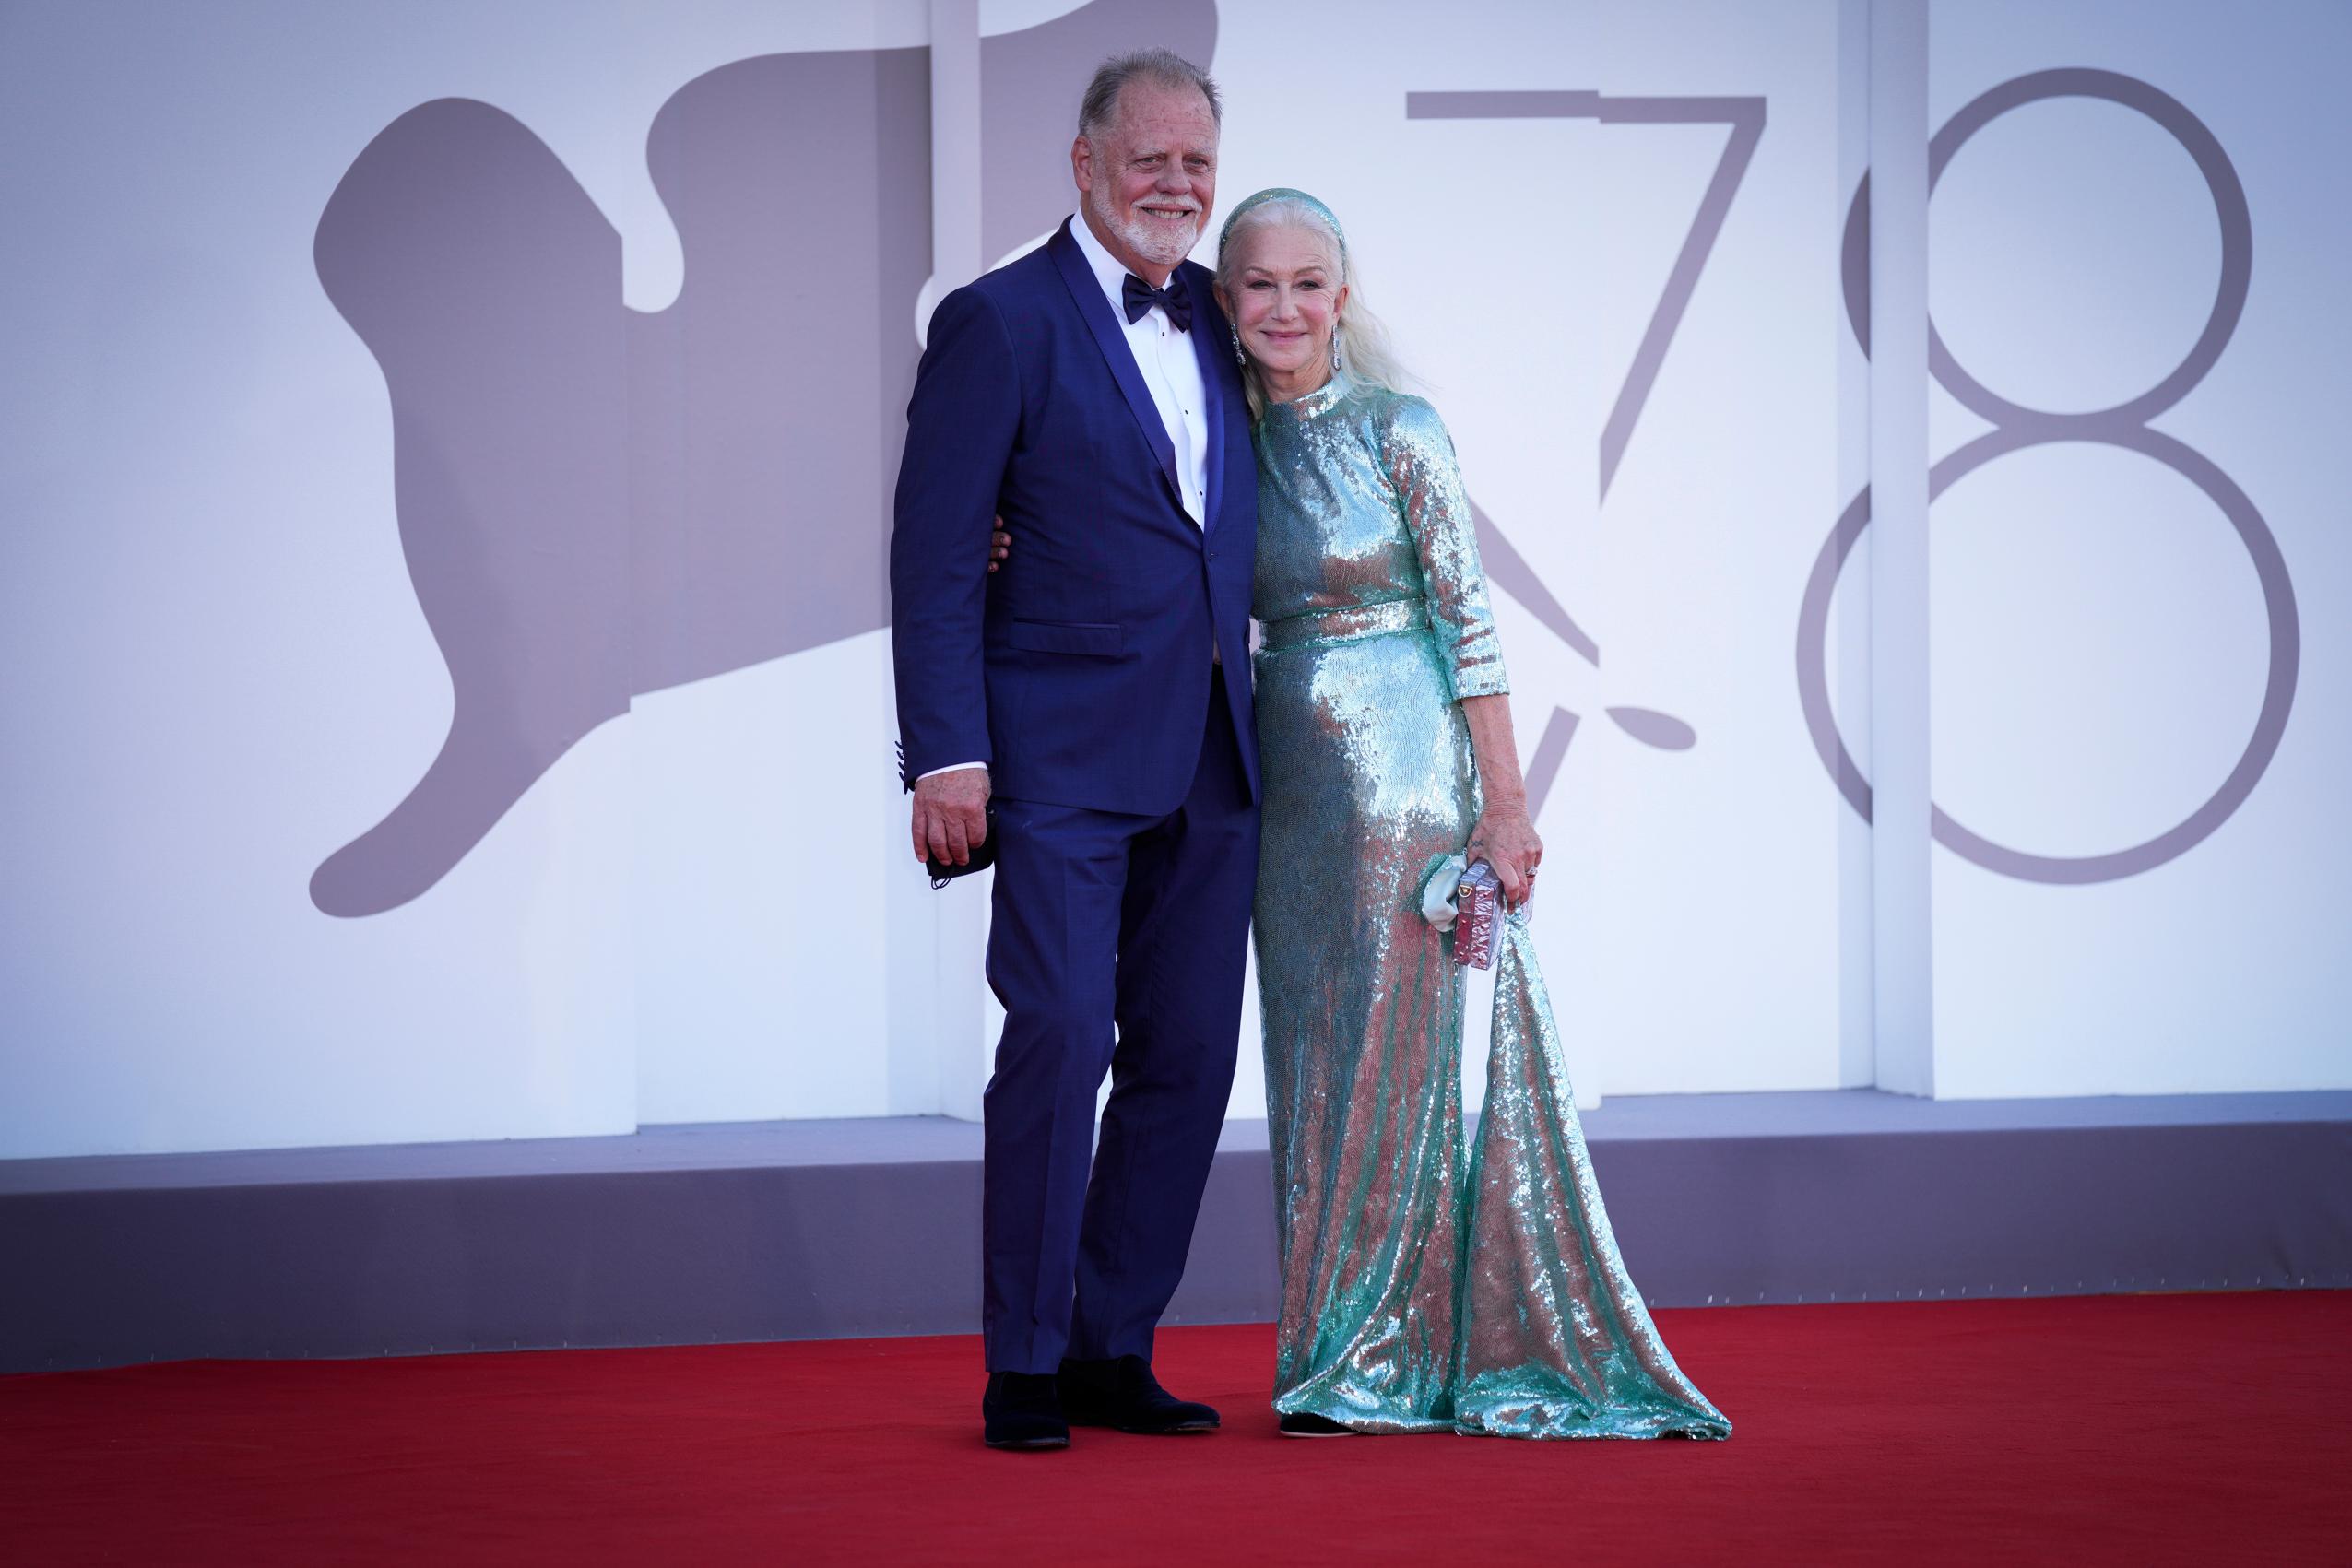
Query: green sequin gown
1424	1288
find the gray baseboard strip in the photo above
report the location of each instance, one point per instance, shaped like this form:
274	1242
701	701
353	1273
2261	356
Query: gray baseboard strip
817	1229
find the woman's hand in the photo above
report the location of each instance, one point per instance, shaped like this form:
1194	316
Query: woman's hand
1505	838
999	545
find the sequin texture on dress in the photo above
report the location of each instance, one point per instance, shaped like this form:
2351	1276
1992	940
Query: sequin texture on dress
1424	1287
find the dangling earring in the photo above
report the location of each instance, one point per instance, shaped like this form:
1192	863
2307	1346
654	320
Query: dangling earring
1239	358
1335	348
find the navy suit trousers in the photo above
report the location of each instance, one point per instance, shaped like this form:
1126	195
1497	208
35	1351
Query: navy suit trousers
1116	945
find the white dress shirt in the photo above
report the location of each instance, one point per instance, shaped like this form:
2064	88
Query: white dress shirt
1172	374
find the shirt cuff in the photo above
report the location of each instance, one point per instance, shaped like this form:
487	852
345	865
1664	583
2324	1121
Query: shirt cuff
951	768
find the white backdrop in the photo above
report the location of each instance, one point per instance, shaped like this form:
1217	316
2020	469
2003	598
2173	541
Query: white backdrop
2099	635
220	675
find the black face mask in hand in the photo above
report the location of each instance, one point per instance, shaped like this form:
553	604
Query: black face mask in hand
983	854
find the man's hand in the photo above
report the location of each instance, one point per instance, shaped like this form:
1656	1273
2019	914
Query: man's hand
951	815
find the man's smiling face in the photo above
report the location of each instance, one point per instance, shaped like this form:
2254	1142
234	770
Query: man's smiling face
1149	178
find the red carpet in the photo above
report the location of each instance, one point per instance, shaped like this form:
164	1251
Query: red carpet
2108	1429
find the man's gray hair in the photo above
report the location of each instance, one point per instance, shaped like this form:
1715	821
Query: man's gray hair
1163	67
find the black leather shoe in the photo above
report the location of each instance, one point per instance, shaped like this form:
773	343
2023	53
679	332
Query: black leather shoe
1298	1423
1124	1394
1020	1410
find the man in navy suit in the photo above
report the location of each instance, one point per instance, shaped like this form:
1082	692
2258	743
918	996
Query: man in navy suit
1099	690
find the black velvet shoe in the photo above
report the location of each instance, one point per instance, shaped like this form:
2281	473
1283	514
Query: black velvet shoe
1301	1424
1020	1410
1124	1394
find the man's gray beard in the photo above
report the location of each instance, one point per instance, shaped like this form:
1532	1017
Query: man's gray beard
1145	241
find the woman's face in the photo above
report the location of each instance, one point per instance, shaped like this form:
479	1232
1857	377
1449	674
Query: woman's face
1286	301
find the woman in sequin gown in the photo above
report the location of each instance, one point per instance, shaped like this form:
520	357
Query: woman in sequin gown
1424	1287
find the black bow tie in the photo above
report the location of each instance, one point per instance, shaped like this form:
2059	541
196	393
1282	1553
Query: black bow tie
1175	299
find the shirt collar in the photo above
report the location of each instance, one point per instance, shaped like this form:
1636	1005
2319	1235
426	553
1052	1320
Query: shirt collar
1109	271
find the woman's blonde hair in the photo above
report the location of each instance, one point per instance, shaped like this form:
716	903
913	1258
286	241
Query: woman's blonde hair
1365	352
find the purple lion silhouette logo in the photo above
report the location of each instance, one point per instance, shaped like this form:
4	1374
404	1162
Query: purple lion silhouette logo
596	502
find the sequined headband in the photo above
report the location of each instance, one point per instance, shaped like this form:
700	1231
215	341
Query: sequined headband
1284	193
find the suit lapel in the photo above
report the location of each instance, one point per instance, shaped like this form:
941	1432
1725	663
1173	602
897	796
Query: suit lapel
1208	351
1087	294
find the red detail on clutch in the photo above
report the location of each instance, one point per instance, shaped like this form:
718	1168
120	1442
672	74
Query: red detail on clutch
1478	903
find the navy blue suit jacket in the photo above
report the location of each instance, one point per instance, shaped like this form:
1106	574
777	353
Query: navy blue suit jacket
1081	672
